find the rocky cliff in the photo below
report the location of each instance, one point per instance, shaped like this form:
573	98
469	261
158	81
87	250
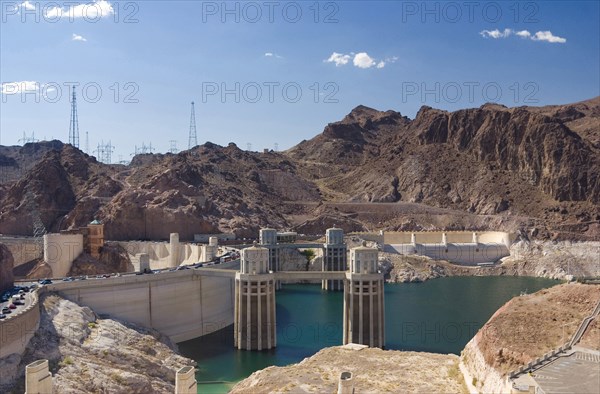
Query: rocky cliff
90	354
6	268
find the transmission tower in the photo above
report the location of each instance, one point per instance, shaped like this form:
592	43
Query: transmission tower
38	226
27	139
248	147
276	146
193	140
173	148
87	143
74	126
104	152
142	150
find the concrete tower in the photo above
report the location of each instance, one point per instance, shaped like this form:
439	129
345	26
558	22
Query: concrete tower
363	300
254	320
268	239
174	250
334	257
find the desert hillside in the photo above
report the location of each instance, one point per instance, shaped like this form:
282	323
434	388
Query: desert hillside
535	169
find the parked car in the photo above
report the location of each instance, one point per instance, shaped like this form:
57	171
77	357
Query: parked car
12	306
2	316
46	282
6	310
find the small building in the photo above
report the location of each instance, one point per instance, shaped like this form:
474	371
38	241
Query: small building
95	238
288	237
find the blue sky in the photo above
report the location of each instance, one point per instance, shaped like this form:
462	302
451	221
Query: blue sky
288	68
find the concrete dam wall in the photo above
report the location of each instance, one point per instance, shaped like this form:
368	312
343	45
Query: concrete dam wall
180	304
461	247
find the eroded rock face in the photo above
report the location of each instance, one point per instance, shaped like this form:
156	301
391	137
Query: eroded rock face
6	268
89	354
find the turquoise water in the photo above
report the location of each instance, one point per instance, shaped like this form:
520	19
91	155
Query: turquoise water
438	316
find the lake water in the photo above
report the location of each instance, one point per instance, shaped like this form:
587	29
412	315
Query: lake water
438	316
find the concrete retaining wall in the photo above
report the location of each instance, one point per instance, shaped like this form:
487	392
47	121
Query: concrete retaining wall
160	252
16	330
60	250
181	304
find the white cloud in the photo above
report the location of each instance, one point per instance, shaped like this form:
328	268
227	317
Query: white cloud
271	54
28	6
20	87
77	37
360	60
95	10
339	59
496	33
363	60
539	36
548	36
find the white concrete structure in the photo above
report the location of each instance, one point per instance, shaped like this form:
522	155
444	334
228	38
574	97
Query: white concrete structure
334	257
210	250
254	320
346	383
185	381
181	304
60	250
160	253
364	321
461	247
173	250
143	263
38	379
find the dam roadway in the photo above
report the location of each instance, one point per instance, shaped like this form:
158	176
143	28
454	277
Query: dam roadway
183	304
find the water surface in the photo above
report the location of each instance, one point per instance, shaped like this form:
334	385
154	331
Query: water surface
439	316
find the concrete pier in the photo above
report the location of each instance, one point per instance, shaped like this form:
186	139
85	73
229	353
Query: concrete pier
254	320
185	381
38	379
174	250
364	321
334	257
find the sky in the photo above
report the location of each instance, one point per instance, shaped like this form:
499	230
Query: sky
269	74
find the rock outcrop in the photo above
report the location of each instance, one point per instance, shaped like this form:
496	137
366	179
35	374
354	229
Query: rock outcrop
90	354
374	371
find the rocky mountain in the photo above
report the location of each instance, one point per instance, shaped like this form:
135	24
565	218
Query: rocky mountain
541	163
533	168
